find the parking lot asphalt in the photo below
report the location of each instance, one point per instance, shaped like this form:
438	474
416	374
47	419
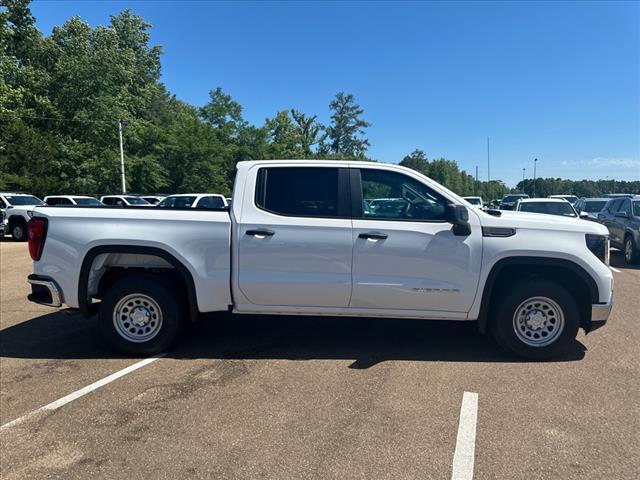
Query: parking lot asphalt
297	397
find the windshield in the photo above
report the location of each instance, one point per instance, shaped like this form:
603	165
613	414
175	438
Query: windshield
136	201
177	202
636	208
593	207
551	208
86	201
16	200
513	198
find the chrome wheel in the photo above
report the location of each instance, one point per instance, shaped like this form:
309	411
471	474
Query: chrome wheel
538	321
137	318
628	250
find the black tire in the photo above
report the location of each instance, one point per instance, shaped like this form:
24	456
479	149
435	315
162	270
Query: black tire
18	230
521	296
630	252
164	304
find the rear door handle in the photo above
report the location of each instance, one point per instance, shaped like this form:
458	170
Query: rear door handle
373	235
263	232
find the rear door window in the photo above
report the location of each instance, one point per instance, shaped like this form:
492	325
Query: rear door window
298	191
210	201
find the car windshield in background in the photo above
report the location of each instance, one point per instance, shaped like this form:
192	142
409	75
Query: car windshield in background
551	208
23	200
636	208
513	198
211	202
177	202
593	207
473	201
136	201
86	201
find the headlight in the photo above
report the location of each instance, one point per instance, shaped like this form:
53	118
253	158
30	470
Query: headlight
599	246
30	213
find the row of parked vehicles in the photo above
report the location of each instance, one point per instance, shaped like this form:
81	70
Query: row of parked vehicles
619	212
17	208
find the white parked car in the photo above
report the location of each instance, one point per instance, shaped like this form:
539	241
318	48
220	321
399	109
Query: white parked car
18	209
298	240
475	201
549	206
194	200
61	200
125	201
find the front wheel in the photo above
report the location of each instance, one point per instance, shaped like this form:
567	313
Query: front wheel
19	231
631	254
535	319
140	315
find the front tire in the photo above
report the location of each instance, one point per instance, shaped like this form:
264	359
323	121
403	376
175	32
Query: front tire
140	315
19	231
631	254
535	319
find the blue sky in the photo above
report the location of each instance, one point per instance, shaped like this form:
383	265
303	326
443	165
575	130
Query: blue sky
559	81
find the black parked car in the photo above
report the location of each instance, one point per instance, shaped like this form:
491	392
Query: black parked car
622	217
508	202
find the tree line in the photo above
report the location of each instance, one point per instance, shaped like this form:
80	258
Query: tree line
62	95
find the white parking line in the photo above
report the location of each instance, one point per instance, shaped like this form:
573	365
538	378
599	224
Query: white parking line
466	443
615	270
83	391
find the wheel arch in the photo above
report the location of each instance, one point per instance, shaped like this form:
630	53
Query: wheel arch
88	309
584	287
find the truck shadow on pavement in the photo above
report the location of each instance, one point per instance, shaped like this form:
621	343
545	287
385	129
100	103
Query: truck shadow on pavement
366	341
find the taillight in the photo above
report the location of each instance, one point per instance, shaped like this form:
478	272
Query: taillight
37	233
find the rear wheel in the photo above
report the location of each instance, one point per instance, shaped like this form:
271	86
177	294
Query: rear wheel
631	254
140	314
535	319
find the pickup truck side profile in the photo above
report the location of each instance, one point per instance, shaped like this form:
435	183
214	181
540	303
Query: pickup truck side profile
309	238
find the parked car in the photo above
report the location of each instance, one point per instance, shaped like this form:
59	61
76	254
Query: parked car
2	224
124	201
589	207
475	201
61	200
18	208
572	199
621	216
299	241
548	206
194	200
153	199
508	202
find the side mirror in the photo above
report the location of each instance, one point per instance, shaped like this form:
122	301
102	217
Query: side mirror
459	217
583	214
622	214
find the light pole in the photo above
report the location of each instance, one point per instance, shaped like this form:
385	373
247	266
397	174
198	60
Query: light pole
535	162
124	183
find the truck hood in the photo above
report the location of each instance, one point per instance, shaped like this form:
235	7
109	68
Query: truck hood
20	208
541	221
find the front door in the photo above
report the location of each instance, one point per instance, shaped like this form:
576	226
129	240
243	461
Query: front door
406	256
294	239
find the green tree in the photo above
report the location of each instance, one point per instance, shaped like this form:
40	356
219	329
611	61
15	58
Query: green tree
345	135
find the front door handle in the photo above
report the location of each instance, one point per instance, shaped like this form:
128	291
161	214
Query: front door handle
373	235
262	232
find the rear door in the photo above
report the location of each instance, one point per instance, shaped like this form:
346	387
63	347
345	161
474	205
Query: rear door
405	254
294	238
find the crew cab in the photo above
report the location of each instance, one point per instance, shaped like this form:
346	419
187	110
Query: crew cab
308	238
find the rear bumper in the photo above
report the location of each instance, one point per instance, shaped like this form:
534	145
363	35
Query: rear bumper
44	291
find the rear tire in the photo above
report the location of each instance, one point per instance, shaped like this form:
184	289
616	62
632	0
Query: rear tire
631	254
140	315
535	319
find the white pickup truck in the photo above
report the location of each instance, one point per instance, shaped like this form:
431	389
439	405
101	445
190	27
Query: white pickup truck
326	238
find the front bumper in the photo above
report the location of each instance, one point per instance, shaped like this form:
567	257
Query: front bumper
600	313
44	291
